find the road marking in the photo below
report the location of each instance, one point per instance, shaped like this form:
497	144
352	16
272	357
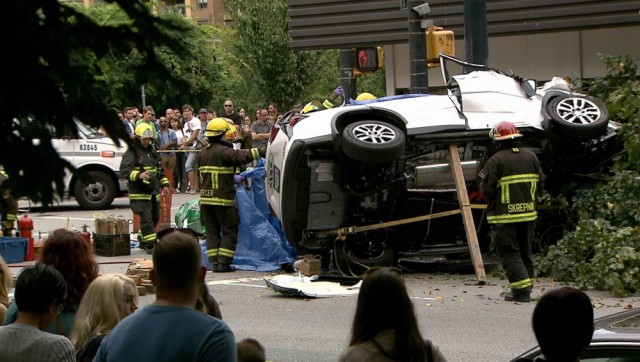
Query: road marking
233	281
247	285
423	298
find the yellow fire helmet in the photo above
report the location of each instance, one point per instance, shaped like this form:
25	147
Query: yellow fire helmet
311	107
232	133
366	97
216	127
144	130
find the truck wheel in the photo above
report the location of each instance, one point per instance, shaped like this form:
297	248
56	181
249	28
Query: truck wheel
96	191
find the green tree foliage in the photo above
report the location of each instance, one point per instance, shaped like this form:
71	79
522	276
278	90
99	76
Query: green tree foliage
373	83
54	75
262	43
602	250
201	70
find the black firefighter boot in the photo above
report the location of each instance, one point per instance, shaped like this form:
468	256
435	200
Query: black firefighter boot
224	268
519	295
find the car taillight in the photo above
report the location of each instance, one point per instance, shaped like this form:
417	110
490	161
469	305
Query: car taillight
274	132
294	120
108	154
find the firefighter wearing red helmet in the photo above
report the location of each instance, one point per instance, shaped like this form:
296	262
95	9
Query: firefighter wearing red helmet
510	180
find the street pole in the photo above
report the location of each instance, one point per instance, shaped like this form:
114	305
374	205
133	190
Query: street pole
347	78
476	40
143	99
418	76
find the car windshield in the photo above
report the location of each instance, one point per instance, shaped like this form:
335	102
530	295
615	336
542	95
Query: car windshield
88	131
629	323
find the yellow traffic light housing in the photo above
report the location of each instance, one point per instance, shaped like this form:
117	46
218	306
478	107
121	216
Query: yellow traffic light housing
439	40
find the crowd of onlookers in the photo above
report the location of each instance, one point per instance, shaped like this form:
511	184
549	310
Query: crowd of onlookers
180	134
63	310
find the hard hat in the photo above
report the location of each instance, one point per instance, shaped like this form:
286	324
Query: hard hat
504	131
216	127
232	133
311	107
144	130
366	97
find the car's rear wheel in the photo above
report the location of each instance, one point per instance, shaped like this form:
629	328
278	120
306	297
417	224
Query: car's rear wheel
96	191
578	116
373	141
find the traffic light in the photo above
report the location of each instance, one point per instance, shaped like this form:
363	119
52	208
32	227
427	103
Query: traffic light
369	59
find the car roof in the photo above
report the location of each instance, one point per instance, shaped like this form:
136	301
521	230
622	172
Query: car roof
615	329
622	325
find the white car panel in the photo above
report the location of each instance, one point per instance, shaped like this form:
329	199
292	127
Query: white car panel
357	166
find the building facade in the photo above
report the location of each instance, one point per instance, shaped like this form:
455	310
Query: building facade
536	39
203	11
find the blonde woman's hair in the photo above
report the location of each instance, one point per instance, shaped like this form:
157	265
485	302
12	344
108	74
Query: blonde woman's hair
6	281
100	309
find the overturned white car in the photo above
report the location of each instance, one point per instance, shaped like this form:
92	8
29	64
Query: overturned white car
333	175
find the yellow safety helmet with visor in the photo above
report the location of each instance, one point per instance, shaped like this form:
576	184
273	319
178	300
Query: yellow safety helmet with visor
145	130
216	127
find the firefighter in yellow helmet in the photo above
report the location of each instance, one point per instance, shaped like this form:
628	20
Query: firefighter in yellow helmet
510	180
8	206
336	96
140	165
364	96
217	164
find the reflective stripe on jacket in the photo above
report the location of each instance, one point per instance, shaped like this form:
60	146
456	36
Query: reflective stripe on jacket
510	181
137	160
217	164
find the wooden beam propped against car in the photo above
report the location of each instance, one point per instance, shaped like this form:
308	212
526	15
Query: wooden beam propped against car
467	217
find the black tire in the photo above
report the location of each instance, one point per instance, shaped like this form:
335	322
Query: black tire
577	116
97	191
351	265
373	141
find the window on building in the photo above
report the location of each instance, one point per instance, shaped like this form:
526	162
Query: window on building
203	4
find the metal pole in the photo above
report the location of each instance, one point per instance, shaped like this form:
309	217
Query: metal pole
476	40
347	77
143	98
418	76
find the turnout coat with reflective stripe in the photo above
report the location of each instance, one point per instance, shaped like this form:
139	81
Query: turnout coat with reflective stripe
510	180
216	166
137	160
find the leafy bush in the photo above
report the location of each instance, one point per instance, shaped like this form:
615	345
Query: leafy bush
603	249
597	255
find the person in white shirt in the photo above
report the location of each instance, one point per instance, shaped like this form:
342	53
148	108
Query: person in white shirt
179	176
191	130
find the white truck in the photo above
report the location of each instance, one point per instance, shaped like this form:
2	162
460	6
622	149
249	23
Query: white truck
98	158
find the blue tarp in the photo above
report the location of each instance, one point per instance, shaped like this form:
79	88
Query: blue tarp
262	245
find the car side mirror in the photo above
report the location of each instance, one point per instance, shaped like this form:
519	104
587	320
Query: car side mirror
529	87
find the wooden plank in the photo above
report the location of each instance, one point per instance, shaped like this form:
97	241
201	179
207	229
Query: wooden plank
467	217
356	229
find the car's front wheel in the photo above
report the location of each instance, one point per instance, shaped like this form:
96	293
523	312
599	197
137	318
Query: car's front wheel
373	141
96	191
578	116
357	253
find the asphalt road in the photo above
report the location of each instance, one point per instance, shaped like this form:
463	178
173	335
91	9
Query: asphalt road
467	321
